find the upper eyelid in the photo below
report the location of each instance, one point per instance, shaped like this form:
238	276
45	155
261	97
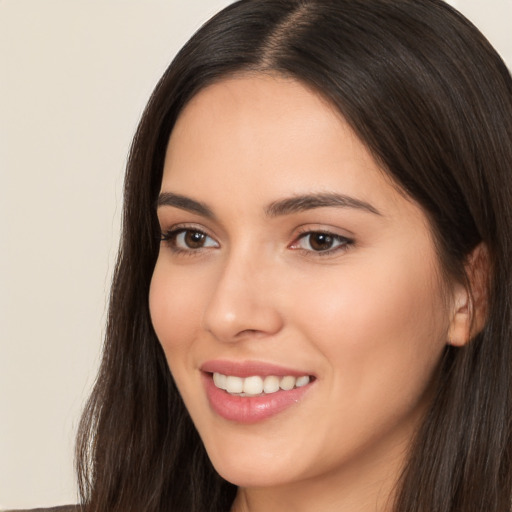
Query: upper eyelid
185	226
322	228
167	225
323	232
175	230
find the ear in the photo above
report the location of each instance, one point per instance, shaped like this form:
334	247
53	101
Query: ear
470	300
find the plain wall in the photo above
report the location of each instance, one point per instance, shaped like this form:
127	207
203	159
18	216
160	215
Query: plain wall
74	78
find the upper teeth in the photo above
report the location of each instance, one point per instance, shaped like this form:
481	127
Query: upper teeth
256	385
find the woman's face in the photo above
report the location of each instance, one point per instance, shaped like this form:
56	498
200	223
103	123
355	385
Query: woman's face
287	252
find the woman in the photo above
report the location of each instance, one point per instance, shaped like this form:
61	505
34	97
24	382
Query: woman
311	307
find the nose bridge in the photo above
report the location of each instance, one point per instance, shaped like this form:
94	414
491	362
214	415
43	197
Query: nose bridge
241	301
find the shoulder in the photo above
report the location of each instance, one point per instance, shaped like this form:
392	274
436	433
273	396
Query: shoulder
64	508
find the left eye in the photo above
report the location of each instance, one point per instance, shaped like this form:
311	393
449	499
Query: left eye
190	239
320	242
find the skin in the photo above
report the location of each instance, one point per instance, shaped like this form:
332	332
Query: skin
369	319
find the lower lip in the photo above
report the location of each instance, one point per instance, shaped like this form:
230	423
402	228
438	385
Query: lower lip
243	409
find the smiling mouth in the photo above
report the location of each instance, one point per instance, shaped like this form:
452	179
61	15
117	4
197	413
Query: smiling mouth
258	386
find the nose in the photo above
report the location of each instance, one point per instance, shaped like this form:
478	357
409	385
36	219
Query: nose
243	303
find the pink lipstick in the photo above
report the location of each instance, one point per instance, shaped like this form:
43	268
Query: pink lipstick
253	391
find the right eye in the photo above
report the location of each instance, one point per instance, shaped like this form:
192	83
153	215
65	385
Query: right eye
188	239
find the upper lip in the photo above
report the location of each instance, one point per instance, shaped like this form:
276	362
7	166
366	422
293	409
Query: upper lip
250	368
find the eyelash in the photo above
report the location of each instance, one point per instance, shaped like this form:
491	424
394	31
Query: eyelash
170	238
171	235
344	243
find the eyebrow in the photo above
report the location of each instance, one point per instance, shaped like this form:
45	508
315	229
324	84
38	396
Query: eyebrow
184	203
275	209
312	201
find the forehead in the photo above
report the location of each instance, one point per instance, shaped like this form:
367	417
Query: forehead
259	137
258	94
252	110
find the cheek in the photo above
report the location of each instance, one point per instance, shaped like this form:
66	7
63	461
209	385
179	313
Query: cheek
176	304
384	327
175	309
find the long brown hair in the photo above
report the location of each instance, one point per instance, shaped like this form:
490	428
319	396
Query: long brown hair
432	101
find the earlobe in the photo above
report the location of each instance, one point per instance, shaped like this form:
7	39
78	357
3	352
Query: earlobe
470	300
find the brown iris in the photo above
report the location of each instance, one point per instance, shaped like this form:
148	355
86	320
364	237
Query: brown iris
321	241
194	239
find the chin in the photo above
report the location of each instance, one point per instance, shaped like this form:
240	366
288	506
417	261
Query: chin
252	475
258	464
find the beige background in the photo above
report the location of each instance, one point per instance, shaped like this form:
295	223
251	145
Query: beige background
74	78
